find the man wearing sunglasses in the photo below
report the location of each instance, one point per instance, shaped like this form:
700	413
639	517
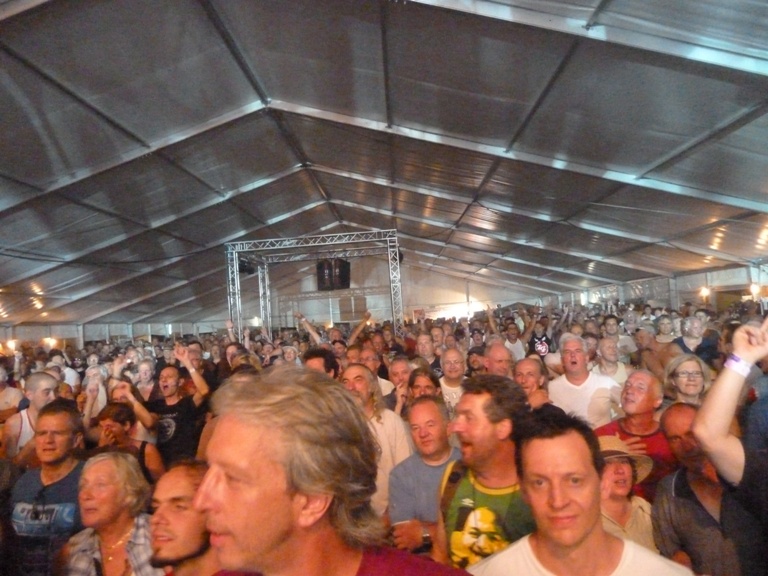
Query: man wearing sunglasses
44	500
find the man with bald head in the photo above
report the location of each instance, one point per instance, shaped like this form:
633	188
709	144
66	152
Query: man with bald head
498	360
19	429
641	396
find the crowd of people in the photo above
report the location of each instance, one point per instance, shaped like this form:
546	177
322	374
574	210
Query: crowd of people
590	441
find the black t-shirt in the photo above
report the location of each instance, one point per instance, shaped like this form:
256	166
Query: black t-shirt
753	488
436	368
177	430
542	345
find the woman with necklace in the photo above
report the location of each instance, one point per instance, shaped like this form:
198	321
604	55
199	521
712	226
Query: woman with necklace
113	493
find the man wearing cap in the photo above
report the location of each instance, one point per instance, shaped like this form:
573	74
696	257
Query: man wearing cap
641	396
476	337
624	514
697	520
475	362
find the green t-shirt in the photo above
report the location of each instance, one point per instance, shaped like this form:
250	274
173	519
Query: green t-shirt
481	521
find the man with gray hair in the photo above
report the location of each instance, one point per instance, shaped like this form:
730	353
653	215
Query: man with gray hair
581	392
293	467
387	426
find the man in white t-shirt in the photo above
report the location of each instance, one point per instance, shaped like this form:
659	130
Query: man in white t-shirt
513	342
627	346
454	366
560	466
387	427
578	391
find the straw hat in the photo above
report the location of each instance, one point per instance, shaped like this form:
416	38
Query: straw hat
614	447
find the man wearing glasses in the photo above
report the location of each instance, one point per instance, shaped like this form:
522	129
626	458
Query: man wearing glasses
44	500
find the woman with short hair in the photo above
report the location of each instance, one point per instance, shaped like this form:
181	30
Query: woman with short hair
115	542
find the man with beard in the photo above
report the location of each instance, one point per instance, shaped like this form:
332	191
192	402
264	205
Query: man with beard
386	426
180	541
481	506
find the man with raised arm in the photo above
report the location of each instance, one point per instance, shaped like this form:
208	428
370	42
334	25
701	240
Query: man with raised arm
712	427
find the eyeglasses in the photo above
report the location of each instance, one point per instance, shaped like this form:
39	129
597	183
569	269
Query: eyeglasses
684	374
453	362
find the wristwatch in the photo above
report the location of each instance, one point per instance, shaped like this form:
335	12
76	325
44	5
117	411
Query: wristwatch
426	537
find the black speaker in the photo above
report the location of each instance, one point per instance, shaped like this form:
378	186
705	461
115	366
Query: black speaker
245	267
324	275
332	274
340	274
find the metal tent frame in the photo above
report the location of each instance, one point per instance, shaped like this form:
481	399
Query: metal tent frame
262	253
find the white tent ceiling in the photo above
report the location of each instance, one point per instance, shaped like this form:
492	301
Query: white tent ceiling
546	146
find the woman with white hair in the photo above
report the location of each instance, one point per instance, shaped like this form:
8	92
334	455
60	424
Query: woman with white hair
116	542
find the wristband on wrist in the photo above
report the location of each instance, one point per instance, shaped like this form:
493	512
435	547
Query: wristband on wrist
741	367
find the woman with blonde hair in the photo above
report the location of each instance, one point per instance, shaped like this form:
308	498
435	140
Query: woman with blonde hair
113	493
686	379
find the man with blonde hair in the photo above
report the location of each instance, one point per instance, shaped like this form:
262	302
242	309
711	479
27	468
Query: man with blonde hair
293	467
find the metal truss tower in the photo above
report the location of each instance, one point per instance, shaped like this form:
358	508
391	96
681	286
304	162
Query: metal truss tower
262	253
